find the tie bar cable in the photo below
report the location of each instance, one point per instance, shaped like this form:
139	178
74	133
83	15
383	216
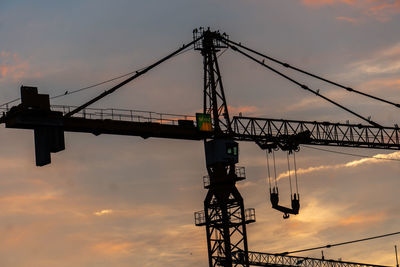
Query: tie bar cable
303	86
138	74
310	74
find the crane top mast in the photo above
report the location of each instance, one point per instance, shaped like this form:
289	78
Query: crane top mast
214	102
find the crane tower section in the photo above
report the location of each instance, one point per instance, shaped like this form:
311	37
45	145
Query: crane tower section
224	215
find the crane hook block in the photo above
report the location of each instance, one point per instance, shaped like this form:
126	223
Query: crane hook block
274	197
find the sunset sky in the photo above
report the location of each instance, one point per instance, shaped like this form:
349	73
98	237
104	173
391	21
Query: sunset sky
126	201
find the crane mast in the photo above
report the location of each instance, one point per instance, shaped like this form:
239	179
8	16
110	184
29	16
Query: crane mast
224	216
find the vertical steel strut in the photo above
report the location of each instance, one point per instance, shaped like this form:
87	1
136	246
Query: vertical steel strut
224	215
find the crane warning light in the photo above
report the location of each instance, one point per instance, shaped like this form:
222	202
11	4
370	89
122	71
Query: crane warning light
204	122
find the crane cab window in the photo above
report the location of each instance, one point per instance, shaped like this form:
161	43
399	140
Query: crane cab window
232	149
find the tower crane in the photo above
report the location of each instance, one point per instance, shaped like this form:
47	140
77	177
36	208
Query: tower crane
224	216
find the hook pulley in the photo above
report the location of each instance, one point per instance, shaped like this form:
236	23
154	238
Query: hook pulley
274	191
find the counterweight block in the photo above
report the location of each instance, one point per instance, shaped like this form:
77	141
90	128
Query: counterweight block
47	125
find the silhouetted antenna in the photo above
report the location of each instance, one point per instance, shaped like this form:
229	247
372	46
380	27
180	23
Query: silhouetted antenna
397	259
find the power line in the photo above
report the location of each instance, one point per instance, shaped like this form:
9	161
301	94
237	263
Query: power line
348	154
312	75
340	244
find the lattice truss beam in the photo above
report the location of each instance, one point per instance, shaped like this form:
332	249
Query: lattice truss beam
289	132
268	259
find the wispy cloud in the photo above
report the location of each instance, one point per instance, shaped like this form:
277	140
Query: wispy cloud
385	61
103	212
244	110
113	248
364	219
347	19
378	158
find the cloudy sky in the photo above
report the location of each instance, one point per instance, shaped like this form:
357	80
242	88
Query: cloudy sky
125	201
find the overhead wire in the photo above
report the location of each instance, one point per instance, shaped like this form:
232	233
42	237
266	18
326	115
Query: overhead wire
311	74
303	86
339	244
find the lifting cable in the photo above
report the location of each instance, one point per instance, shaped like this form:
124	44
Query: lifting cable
303	86
269	173
276	180
310	74
339	244
295	173
290	177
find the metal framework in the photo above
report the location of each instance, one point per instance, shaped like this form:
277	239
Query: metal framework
275	260
286	133
224	212
224	215
214	102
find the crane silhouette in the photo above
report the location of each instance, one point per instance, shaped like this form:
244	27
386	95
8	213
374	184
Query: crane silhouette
224	215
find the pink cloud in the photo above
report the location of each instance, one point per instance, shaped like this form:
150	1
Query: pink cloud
245	110
317	3
381	10
363	219
347	19
13	67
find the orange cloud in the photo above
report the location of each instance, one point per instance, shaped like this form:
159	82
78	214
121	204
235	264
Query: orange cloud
381	10
103	212
395	83
363	219
114	248
245	110
13	67
316	3
347	19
